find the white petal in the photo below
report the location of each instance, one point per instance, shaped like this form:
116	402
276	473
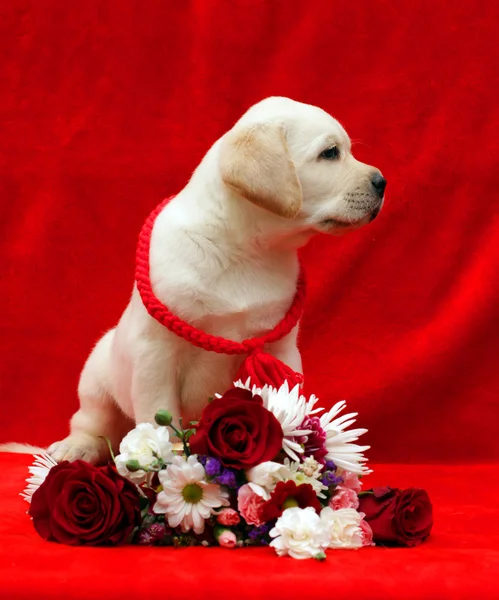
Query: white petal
197	520
300	432
198	471
260	491
289	451
175	519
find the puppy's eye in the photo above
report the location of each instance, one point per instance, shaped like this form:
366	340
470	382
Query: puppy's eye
330	153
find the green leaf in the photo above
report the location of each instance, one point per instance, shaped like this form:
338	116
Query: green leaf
188	434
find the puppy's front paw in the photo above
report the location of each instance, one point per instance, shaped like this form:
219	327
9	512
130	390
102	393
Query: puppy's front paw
80	447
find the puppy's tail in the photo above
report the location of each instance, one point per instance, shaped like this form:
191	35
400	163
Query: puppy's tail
16	448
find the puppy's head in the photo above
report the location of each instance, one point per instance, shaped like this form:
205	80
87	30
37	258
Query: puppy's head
295	161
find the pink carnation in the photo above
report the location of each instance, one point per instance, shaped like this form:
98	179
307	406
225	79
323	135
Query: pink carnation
228	516
344	498
367	532
250	505
351	481
227	539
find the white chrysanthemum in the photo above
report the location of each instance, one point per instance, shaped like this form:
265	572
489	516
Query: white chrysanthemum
290	409
343	528
339	446
39	471
264	477
299	533
311	467
187	499
144	444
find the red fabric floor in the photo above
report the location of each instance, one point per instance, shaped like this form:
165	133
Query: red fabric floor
461	559
108	106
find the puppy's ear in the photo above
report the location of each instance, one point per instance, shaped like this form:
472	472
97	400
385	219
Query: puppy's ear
255	163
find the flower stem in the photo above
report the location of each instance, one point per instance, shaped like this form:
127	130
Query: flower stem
108	442
180	433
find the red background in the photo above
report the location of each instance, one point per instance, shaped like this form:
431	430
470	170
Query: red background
107	107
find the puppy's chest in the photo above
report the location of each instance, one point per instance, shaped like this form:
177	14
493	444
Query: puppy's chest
234	304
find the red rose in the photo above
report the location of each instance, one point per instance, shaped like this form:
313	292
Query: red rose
286	495
238	430
403	517
79	504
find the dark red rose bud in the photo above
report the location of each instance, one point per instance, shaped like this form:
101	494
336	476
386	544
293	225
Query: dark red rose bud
401	517
238	430
79	504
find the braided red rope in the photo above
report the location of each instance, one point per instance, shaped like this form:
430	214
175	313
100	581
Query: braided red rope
259	367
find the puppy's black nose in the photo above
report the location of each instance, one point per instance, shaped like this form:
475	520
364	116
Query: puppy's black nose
379	184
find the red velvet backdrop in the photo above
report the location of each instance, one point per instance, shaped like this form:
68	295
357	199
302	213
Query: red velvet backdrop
107	107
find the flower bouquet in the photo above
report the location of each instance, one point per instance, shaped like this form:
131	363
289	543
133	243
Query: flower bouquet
263	466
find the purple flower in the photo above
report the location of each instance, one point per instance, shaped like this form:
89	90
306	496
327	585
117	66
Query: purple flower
212	467
329	478
314	444
256	533
330	466
227	478
151	534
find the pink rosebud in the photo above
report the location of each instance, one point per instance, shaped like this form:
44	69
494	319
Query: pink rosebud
351	481
250	505
344	498
366	532
228	516
227	539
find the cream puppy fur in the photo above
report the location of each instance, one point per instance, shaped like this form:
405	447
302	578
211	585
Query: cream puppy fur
224	258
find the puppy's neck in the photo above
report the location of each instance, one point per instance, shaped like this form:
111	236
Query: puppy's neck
223	216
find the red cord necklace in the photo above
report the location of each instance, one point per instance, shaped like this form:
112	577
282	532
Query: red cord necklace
262	368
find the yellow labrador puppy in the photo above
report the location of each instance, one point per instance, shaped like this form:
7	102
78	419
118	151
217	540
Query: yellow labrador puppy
224	257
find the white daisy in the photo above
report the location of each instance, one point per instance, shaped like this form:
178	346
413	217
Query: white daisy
290	409
339	445
187	499
39	471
